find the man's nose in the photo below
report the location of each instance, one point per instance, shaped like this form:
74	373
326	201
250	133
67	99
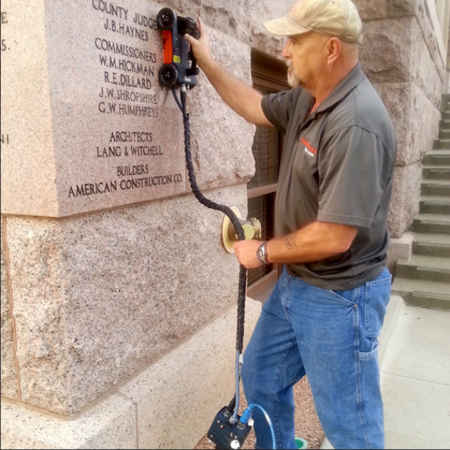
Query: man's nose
285	53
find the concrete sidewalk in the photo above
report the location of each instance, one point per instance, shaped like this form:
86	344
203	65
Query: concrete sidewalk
415	377
416	381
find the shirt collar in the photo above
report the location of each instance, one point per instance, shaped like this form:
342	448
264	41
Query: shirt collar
343	88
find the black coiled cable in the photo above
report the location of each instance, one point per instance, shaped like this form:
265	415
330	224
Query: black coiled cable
231	215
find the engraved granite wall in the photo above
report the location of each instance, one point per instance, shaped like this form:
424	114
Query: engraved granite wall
111	260
111	134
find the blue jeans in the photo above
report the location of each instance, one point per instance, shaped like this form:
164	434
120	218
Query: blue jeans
330	336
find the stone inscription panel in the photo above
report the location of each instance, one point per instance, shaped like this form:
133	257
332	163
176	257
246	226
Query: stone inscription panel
118	135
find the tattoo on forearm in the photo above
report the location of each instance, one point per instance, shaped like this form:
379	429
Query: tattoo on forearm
289	241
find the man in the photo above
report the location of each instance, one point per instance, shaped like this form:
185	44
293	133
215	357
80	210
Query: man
334	189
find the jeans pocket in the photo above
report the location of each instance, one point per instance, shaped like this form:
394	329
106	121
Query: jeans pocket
350	296
367	356
377	296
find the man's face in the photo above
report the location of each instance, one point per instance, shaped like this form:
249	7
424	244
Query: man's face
305	58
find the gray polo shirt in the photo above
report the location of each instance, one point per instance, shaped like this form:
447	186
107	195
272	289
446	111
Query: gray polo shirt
337	166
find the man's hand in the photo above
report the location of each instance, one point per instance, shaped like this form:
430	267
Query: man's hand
241	98
245	252
200	47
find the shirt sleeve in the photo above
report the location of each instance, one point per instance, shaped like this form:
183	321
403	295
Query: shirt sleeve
354	169
278	107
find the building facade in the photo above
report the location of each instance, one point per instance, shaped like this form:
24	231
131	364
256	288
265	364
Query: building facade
117	297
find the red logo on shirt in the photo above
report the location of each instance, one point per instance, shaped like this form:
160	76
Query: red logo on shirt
309	149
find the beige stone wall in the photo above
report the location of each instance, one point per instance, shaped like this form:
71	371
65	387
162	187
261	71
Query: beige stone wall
99	297
401	57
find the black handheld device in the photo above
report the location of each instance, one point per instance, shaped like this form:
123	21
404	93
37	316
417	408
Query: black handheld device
180	65
227	435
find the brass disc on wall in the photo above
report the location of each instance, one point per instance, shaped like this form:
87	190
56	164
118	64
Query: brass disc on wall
228	230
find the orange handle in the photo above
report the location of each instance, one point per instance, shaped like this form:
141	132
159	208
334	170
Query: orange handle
167	46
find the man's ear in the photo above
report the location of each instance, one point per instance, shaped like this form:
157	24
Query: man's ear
334	48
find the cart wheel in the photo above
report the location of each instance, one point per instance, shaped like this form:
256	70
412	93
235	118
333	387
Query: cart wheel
168	75
165	19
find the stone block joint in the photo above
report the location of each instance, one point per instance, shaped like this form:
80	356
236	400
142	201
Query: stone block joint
9	290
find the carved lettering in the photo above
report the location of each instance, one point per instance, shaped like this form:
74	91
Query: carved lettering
126	30
5	139
139	183
125	50
128	74
110	8
4	21
88	189
127	80
127	171
145	21
127	66
138	111
130	136
143	150
109	152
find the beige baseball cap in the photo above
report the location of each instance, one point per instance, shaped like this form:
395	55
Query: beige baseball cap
337	18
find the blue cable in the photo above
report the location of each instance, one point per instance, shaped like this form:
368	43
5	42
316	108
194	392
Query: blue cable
246	417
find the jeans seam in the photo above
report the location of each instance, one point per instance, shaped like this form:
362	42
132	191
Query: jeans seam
274	393
284	299
356	323
366	304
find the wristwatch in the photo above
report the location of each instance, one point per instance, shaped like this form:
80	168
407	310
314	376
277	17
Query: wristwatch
261	253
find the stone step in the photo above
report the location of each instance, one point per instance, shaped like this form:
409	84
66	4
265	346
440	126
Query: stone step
436	187
444	135
426	294
432	245
441	145
444	106
446	97
446	115
438	156
423	267
430	204
444	124
436	172
431	223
